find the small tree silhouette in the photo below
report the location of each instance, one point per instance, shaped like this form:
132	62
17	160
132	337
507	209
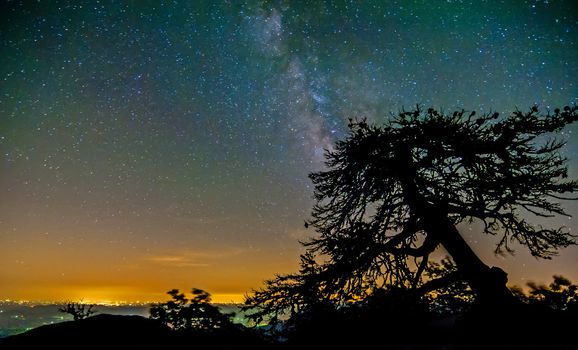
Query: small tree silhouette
78	310
196	313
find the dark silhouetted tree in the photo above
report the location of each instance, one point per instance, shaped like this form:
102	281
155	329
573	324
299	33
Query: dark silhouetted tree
79	310
196	313
392	194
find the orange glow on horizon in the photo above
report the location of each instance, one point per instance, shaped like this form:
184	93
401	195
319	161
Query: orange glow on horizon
110	296
118	274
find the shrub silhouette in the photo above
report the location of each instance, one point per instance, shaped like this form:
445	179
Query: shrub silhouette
196	313
561	295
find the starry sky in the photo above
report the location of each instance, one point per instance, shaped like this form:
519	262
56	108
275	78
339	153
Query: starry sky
152	145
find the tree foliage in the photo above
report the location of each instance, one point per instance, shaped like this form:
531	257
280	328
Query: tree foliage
469	168
288	295
196	313
392	194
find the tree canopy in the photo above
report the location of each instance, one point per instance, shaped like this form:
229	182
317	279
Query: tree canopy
393	193
196	313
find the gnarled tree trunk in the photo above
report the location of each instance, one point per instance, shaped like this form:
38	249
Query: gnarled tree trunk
489	284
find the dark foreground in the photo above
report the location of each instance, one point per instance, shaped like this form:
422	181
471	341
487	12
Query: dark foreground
530	330
126	332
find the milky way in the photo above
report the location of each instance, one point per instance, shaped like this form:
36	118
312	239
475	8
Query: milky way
147	146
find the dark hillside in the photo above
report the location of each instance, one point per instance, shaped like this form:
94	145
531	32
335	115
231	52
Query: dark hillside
102	331
127	332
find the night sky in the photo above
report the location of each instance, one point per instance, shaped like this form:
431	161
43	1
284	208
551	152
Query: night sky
146	146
